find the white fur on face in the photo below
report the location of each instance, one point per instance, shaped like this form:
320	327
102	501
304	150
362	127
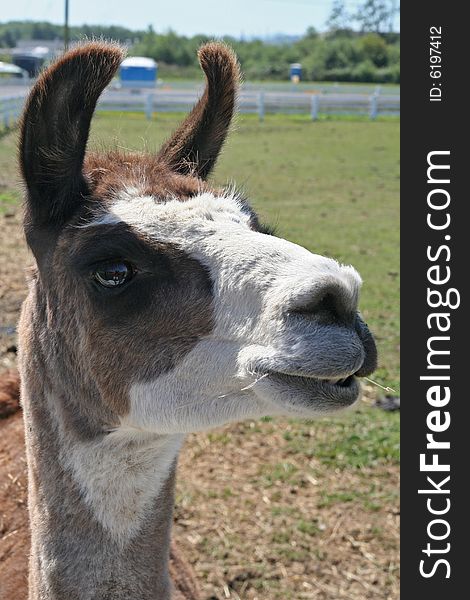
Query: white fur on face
257	280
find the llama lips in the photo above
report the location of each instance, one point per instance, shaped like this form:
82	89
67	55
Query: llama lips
314	392
341	381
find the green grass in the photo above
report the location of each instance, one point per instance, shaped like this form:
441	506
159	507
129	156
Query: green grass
271	474
359	439
371	499
8	199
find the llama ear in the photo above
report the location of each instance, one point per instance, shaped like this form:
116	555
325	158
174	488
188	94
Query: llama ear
55	127
195	145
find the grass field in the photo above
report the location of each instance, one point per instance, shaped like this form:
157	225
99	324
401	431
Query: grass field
285	509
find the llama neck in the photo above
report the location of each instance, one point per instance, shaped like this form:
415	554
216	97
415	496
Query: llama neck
100	507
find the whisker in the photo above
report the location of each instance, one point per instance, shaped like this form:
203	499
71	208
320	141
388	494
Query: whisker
247	387
387	389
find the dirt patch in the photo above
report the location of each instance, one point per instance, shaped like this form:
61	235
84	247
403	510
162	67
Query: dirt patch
15	259
260	520
14	546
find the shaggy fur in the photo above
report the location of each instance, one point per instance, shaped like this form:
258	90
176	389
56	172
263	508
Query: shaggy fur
9	394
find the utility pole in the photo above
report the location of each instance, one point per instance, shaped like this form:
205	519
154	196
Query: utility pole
66	25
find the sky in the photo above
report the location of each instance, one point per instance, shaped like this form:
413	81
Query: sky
213	17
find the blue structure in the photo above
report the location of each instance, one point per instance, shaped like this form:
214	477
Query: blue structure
295	72
138	72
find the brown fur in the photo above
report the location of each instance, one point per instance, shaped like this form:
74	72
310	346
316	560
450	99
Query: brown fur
54	130
9	394
14	527
142	171
196	144
138	325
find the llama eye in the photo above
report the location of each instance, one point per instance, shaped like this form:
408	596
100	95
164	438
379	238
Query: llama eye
113	274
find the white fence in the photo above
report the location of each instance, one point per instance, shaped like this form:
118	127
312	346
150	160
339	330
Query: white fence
10	111
257	102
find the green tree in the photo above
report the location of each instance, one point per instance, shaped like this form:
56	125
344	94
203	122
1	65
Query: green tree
376	15
339	55
339	18
374	48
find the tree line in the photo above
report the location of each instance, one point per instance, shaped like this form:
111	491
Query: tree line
339	55
367	53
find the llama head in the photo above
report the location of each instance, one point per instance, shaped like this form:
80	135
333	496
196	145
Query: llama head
165	295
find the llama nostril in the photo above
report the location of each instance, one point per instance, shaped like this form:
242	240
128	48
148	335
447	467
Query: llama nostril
331	304
325	309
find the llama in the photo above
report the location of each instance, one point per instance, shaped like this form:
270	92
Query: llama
160	306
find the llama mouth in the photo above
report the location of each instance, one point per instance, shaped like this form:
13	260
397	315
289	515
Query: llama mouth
313	392
341	382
